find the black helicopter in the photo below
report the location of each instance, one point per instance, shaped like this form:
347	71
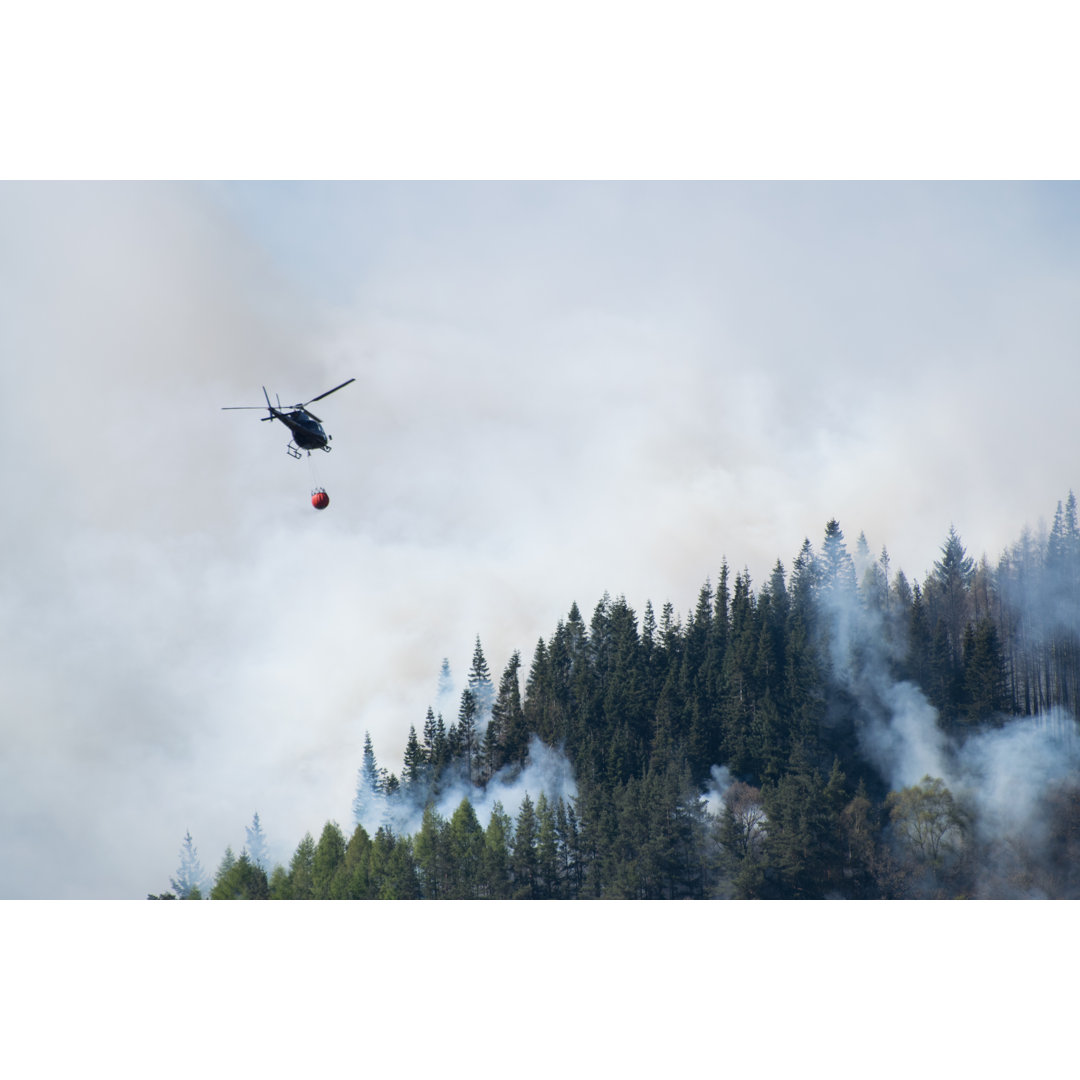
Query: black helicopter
306	427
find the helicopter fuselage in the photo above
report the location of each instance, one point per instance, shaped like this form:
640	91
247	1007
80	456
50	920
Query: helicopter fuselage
307	432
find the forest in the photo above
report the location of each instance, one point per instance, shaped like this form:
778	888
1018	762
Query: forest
836	731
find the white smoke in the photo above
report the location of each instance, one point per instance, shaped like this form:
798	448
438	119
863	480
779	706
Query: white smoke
1000	775
1007	771
720	779
901	736
546	770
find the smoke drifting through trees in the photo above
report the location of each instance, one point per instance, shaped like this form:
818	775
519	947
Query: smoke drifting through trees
838	733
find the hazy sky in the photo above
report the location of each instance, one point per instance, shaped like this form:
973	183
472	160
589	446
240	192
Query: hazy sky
561	390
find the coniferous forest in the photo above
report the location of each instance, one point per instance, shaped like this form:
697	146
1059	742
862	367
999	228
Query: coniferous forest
836	731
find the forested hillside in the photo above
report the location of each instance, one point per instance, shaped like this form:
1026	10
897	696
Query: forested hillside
834	731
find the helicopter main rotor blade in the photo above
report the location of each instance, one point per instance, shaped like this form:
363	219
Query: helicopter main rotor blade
260	407
329	392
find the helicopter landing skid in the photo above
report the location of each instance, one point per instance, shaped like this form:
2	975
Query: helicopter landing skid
293	451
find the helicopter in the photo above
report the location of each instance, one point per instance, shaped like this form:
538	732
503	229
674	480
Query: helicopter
307	430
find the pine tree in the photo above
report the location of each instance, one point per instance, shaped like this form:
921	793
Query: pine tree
429	735
523	852
243	880
301	882
256	845
466	847
648	627
951	579
803	860
480	683
495	861
190	882
431	853
469	745
508	719
415	764
984	672
328	856
228	861
570	859
836	567
368	802
547	851
352	880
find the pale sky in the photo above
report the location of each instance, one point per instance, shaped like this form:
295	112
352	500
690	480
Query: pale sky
561	389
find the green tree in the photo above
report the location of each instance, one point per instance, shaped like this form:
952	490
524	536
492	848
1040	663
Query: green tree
570	861
523	852
393	868
984	672
802	841
280	886
228	861
480	682
432	855
836	567
950	583
352	879
465	840
547	851
300	881
926	820
415	762
495	863
508	718
243	880
468	741
328	856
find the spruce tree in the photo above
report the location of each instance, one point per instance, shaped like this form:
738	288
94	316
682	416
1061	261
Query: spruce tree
836	567
367	804
415	764
256	845
190	882
468	742
466	847
328	856
480	683
547	851
243	880
301	883
431	853
523	852
495	860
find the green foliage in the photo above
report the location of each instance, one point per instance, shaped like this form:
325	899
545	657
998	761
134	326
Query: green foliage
465	849
926	820
495	858
241	880
325	862
301	881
